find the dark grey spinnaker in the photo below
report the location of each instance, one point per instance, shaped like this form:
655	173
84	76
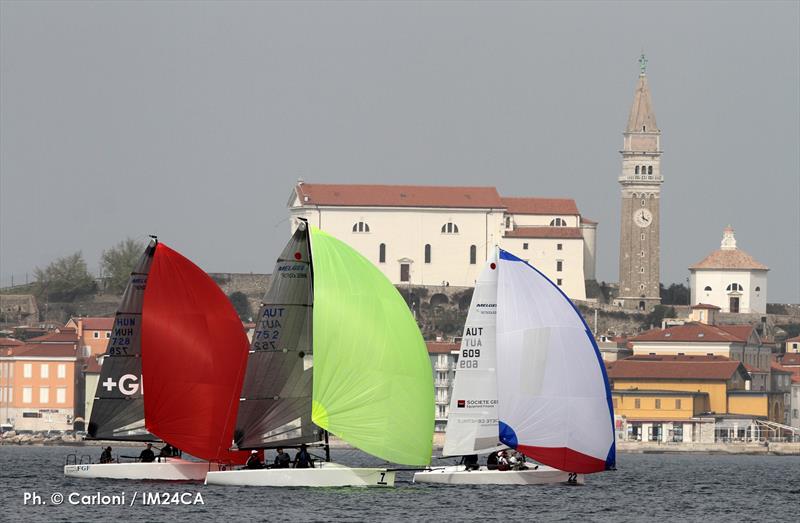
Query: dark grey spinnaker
275	405
118	408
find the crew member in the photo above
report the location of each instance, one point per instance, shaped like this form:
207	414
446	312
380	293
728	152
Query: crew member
302	459
106	457
147	455
282	460
253	462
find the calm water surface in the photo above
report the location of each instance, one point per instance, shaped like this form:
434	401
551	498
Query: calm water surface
690	487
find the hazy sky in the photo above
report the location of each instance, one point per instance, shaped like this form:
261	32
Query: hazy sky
194	120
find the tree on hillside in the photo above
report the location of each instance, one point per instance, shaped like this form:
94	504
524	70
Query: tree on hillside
657	315
66	279
675	294
241	304
118	262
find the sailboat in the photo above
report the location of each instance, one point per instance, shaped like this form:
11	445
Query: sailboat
336	351
175	327
529	378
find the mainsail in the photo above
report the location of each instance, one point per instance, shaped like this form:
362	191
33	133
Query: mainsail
194	351
275	406
118	408
554	399
372	379
472	418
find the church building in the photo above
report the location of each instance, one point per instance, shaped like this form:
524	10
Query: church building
435	235
730	279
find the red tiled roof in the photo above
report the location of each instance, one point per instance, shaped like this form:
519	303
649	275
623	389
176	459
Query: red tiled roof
566	233
706	306
441	347
540	205
743	332
45	350
691	370
790	358
678	357
796	338
397	196
92	366
795	378
65	336
779	369
693	331
587	221
10	342
729	259
98	324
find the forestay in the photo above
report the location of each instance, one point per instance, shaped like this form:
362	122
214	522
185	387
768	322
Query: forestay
472	418
554	400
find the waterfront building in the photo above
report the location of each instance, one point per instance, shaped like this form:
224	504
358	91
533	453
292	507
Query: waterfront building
794	418
730	278
93	333
689	399
37	385
444	356
640	182
91	375
793	344
737	342
427	235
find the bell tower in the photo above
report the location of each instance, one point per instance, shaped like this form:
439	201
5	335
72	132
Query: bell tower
640	181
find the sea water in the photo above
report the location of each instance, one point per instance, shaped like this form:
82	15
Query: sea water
658	487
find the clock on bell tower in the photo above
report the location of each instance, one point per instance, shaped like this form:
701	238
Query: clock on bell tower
640	181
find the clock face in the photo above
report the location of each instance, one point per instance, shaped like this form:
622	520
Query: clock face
642	218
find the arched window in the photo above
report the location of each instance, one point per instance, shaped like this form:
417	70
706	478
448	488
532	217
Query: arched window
734	287
449	228
360	227
649	169
382	253
427	253
758	289
637	169
473	255
708	288
558	222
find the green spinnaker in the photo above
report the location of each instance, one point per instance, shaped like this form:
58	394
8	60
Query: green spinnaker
373	385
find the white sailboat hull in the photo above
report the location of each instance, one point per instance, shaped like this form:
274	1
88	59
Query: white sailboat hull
174	469
458	475
324	475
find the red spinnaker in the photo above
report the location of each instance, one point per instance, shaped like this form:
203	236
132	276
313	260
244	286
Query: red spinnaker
194	353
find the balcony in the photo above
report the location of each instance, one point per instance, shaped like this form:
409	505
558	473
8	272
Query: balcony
444	366
444	384
442	401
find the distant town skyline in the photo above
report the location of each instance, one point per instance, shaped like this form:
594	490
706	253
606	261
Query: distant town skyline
194	120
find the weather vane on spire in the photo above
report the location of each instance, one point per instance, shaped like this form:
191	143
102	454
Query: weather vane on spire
643	63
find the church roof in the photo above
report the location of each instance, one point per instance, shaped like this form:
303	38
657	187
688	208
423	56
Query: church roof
728	256
540	205
397	196
544	232
642	117
737	259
